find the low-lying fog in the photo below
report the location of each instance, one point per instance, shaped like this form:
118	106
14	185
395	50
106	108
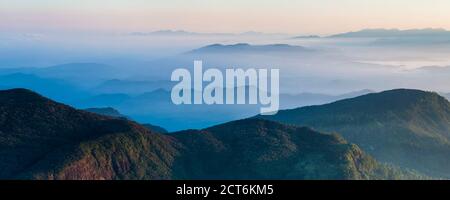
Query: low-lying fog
123	70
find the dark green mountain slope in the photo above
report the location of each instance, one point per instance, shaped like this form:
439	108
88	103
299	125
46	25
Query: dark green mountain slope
36	134
260	149
410	128
42	139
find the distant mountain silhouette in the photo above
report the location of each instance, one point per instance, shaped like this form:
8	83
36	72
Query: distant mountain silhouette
247	48
76	73
409	128
103	100
42	139
111	112
288	101
306	37
374	33
156	108
132	87
55	88
108	111
434	69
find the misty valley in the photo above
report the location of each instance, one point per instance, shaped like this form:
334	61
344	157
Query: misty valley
366	105
235	83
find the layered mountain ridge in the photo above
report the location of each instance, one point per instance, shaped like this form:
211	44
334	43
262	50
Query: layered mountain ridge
42	139
409	128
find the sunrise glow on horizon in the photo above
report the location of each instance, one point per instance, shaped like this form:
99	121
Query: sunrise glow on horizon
302	16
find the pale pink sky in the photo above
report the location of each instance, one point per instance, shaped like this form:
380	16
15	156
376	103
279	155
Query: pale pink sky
301	16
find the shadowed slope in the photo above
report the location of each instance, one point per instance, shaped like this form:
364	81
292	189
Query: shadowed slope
42	139
410	128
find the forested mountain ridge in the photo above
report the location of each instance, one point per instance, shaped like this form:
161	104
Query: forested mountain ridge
409	128
42	139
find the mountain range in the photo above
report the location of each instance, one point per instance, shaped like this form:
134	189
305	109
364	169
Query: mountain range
306	37
155	107
400	38
111	112
54	88
408	128
131	86
43	139
374	33
84	74
248	48
108	111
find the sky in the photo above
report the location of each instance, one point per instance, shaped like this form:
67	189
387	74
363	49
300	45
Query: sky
272	16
